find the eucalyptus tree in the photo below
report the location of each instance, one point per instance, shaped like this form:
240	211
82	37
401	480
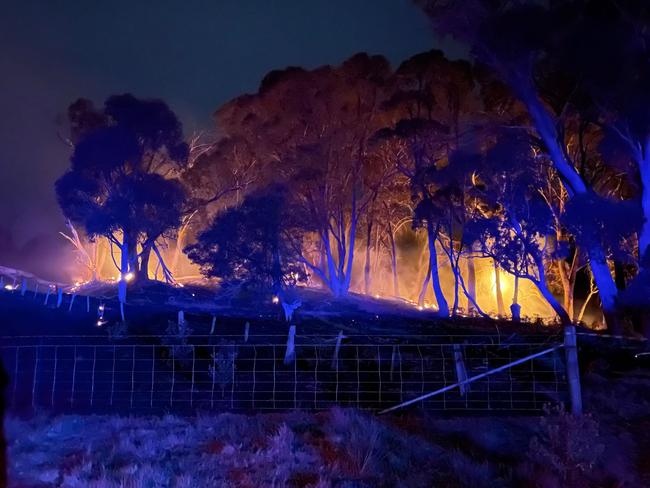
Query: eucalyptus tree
122	179
436	107
517	223
521	41
249	243
310	131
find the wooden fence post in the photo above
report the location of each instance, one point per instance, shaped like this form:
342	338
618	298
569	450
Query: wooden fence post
461	371
572	369
290	354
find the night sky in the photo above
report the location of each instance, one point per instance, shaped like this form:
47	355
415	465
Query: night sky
193	54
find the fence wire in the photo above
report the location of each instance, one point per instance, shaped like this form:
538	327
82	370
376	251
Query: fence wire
157	374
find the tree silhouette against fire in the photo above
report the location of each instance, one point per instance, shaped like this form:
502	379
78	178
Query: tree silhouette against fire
534	155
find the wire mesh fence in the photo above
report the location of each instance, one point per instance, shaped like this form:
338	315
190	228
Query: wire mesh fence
163	373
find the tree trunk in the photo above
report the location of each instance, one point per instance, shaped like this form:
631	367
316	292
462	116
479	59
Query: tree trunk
169	278
351	241
567	295
455	271
334	283
441	301
644	236
546	130
602	277
132	243
550	298
366	267
471	282
94	276
501	309
143	271
515	308
425	283
124	269
568	273
323	261
393	259
619	275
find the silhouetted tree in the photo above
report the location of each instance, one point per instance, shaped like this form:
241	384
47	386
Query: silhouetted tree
516	232
252	243
122	180
309	130
514	39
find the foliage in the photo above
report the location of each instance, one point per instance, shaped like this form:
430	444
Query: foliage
222	369
568	446
499	156
176	337
121	183
252	243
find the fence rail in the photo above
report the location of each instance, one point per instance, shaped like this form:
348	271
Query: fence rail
155	373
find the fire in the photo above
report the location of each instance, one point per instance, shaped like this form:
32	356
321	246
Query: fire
406	282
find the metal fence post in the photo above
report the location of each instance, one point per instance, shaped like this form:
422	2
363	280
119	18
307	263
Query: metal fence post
572	369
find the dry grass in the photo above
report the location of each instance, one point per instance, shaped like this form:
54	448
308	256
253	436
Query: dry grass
337	448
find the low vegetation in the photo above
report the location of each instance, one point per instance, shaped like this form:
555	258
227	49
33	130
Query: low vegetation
342	448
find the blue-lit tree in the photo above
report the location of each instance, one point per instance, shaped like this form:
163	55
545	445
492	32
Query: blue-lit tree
519	41
121	183
435	107
310	131
517	223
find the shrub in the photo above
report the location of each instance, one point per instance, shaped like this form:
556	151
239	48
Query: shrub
568	446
